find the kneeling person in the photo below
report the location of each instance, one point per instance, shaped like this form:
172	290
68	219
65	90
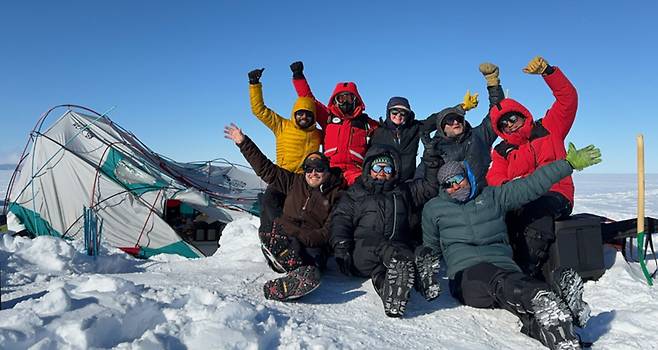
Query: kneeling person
297	243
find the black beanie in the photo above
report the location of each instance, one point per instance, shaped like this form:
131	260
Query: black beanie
398	101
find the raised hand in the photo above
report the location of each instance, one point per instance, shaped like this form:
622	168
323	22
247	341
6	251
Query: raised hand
297	69
584	157
470	101
232	132
490	72
536	65
254	75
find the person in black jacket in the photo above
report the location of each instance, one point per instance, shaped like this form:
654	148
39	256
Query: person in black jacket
297	244
402	131
370	225
456	140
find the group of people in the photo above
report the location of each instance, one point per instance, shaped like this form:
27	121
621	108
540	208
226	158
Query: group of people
352	189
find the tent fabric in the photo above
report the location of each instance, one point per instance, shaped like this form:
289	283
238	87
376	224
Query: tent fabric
86	160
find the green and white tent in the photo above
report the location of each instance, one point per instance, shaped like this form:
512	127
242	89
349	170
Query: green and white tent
85	160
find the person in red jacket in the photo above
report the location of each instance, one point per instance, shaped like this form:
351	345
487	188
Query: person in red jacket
527	145
346	127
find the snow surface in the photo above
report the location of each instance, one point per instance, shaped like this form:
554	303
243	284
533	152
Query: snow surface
55	297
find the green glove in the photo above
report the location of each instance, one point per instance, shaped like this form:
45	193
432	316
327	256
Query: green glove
584	157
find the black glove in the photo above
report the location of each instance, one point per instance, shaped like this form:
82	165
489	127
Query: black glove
343	255
297	69
431	156
254	76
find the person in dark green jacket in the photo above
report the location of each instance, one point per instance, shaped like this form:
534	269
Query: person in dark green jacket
468	229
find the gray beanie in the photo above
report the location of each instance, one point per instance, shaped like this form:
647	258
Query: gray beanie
450	169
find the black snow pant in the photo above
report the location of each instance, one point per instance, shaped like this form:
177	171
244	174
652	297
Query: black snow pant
370	259
490	287
271	207
532	232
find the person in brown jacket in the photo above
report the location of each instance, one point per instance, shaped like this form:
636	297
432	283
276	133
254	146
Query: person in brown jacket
298	242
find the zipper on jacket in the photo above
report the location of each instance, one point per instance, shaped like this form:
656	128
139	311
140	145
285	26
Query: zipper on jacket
395	210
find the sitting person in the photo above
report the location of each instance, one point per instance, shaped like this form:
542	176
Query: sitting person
370	230
528	144
297	243
467	227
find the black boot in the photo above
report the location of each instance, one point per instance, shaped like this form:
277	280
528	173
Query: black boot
278	251
554	322
568	285
427	267
293	285
399	280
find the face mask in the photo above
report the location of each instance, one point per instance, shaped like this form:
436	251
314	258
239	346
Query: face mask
347	107
461	194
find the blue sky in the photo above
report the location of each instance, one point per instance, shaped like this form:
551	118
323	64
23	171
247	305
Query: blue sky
177	71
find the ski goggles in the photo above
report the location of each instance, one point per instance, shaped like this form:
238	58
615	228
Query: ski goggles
451	118
345	97
508	121
387	169
395	111
457	179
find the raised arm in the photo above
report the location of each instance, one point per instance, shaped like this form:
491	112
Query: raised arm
270	118
516	193
269	172
304	90
561	115
492	76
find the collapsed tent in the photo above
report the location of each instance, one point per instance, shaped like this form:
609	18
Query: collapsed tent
84	160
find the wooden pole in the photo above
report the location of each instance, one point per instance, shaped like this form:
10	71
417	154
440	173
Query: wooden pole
640	208
640	183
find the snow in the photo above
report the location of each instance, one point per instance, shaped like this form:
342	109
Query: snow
56	297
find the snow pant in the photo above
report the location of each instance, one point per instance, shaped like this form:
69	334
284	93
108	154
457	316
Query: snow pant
490	287
532	232
271	207
370	259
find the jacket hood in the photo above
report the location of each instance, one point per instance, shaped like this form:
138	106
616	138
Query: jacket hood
442	116
375	151
346	87
443	193
305	103
506	106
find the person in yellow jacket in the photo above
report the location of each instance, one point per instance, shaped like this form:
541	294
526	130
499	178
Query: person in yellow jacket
295	139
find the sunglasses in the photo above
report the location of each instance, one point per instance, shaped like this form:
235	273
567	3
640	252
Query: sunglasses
317	168
450	119
386	168
508	121
401	112
345	97
457	179
302	112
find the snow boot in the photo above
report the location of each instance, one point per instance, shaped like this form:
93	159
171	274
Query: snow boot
293	285
568	285
554	321
278	252
397	285
427	267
